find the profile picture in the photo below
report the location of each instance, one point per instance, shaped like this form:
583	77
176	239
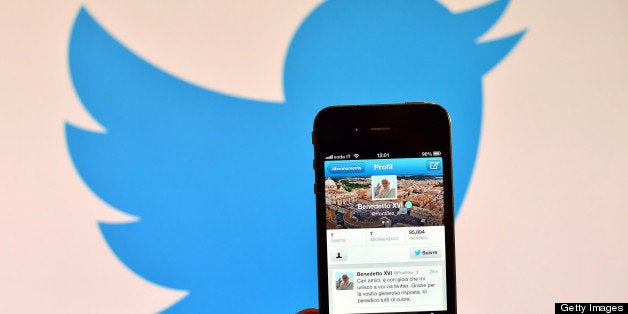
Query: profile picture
344	281
384	187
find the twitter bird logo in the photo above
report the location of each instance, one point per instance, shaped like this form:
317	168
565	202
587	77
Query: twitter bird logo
221	184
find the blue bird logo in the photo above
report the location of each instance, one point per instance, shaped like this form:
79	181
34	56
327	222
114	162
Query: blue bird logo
221	184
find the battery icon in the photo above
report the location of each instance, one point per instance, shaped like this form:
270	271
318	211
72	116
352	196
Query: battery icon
436	153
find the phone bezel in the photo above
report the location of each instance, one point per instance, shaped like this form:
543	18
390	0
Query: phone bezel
399	128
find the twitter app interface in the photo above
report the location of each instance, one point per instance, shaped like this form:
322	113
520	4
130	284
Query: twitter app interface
385	235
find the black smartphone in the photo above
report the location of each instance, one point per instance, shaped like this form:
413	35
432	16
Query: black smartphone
384	209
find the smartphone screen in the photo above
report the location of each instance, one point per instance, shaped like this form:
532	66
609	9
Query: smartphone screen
388	224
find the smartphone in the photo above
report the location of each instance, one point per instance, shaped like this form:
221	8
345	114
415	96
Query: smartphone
384	209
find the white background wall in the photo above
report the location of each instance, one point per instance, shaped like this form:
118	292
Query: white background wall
546	212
